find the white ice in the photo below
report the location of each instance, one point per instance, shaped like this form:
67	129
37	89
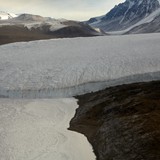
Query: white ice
37	130
47	66
6	16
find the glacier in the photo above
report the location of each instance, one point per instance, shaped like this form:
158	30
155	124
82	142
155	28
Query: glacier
33	128
67	67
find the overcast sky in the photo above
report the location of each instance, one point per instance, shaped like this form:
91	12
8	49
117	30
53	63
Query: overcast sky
69	9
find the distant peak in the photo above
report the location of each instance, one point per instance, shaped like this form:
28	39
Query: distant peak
125	14
30	17
6	15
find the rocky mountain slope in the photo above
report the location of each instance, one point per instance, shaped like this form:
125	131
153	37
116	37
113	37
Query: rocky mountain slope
152	25
27	27
121	123
125	15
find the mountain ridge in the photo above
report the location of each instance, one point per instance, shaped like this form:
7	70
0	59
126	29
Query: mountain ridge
28	27
5	15
124	15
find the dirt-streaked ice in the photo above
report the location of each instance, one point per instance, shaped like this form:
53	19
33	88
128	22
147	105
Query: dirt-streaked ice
37	130
48	67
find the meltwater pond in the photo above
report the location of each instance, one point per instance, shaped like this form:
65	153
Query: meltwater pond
37	130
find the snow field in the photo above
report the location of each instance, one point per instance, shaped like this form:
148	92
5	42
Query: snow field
37	130
58	67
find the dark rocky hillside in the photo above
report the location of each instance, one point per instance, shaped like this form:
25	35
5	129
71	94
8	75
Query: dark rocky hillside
121	123
10	34
16	30
19	33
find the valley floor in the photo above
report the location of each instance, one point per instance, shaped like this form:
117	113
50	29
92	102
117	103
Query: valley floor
37	130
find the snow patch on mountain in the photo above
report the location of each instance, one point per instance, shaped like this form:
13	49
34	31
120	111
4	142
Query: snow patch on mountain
5	15
54	24
131	3
147	19
35	21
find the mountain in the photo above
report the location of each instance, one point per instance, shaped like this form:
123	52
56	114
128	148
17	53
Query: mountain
27	27
125	15
5	15
150	24
30	17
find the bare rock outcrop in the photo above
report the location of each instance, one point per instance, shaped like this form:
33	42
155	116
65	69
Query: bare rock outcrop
121	123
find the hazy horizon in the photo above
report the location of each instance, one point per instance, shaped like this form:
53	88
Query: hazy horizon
68	9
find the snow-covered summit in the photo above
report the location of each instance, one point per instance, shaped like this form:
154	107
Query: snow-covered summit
30	17
28	27
30	20
5	15
35	21
49	25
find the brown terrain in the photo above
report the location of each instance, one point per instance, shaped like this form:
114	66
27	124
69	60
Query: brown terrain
19	33
9	34
122	122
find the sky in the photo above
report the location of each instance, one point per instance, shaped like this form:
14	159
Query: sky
68	9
